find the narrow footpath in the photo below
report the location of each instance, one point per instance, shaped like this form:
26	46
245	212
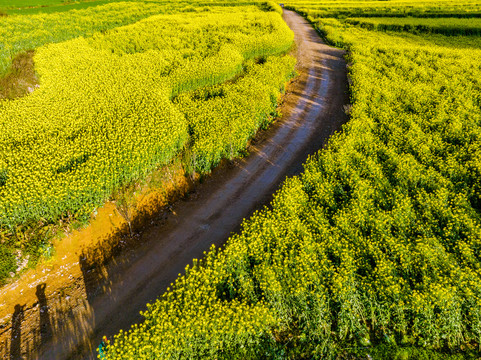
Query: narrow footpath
312	111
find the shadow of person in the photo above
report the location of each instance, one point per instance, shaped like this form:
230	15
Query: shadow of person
16	334
45	325
92	275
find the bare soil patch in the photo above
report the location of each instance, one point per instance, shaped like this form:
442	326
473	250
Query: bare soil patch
21	79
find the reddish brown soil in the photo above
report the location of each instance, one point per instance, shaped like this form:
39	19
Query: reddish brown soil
64	315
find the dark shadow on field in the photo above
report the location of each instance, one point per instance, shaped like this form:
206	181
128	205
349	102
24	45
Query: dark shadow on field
51	321
95	263
16	334
45	324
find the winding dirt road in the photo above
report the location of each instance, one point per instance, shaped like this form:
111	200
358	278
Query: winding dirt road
312	111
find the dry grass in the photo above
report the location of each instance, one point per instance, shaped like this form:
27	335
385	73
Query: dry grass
20	80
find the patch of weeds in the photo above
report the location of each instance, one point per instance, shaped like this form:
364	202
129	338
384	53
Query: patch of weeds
46	250
8	263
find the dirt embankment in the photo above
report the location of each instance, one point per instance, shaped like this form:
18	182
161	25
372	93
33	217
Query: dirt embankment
71	306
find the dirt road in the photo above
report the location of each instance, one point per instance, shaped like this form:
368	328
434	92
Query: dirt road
312	111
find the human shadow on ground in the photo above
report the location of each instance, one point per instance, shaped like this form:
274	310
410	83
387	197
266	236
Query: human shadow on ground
45	324
16	334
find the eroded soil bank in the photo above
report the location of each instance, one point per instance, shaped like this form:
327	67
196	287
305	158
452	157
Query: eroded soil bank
62	311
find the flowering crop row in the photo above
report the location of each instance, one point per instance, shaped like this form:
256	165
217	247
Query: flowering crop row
411	8
445	26
377	242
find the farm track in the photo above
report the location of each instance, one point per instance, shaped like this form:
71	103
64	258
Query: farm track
312	111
